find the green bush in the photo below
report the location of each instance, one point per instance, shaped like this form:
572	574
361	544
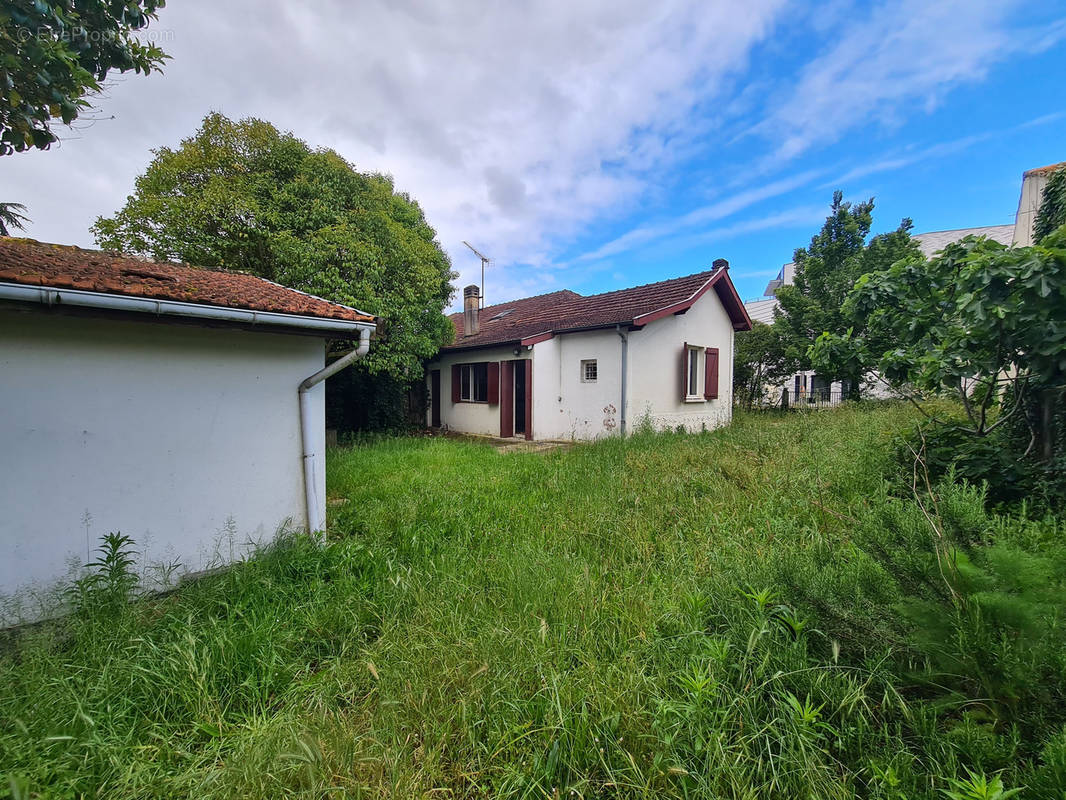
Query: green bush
1002	462
970	605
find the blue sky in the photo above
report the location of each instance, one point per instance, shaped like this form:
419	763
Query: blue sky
950	156
606	143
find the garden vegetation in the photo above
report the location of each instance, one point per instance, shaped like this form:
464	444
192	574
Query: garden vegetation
773	610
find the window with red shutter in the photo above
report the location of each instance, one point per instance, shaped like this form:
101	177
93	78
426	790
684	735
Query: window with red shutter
476	383
691	390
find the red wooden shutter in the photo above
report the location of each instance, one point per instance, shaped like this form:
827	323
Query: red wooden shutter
457	387
684	372
494	383
710	379
528	366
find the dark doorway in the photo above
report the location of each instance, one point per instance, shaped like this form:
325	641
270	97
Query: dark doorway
520	398
434	397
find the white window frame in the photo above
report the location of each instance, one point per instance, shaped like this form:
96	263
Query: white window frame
585	364
696	366
468	383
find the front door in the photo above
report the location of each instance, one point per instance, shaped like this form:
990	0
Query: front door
516	398
520	398
434	398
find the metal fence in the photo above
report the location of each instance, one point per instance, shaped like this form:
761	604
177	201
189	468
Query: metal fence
812	398
804	398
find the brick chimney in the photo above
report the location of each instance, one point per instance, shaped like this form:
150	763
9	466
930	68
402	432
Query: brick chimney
471	323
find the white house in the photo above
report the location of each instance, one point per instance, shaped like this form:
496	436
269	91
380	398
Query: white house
567	366
182	407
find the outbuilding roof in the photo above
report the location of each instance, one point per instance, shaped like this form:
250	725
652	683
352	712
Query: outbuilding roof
533	319
30	263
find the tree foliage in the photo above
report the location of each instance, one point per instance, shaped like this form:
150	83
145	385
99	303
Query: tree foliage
55	52
1052	213
241	195
826	271
975	319
11	218
986	323
760	360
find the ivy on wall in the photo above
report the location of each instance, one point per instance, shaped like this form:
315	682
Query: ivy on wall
1052	212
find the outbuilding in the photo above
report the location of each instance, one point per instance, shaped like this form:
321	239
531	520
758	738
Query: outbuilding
566	366
182	407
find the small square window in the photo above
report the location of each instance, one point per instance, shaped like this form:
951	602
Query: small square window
588	371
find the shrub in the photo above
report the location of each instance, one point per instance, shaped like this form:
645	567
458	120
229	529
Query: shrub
971	606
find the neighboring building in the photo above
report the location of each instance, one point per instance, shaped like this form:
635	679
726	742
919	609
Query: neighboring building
156	400
809	387
564	366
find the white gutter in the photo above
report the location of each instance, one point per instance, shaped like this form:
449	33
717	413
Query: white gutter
315	516
113	302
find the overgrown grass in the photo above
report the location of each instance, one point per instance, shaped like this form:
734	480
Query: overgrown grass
736	614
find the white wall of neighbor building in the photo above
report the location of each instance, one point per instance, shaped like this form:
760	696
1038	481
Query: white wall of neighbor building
655	359
466	417
1028	206
186	439
565	407
762	310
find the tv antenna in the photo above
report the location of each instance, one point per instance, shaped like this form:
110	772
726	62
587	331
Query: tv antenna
484	260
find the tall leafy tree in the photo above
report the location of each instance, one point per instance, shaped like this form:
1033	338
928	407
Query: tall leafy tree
242	195
54	53
760	361
826	271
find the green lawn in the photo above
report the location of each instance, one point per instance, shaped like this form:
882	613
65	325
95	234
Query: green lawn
668	616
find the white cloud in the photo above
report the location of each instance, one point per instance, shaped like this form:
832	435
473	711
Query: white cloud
516	126
909	157
902	57
721	209
512	125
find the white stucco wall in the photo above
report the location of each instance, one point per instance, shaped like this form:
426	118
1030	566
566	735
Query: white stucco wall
1028	206
466	417
655	361
184	438
574	409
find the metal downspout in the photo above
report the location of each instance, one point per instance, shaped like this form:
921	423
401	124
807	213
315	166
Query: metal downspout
314	518
625	369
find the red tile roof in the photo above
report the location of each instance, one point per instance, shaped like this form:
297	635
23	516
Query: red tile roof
33	263
563	311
